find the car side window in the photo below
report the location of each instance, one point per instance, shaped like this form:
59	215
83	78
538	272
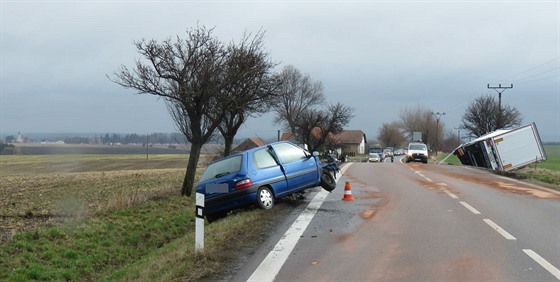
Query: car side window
289	153
264	159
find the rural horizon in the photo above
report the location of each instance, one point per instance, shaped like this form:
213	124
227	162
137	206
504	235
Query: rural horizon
38	136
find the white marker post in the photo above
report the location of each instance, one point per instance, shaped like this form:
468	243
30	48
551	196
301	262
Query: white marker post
199	229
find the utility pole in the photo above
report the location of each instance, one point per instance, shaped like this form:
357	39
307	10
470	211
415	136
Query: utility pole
438	116
458	132
500	89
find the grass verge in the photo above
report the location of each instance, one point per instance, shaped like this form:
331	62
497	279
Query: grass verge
152	241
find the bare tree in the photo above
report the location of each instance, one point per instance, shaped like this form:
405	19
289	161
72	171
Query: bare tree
483	115
250	87
297	94
187	74
416	119
316	128
390	134
420	119
450	142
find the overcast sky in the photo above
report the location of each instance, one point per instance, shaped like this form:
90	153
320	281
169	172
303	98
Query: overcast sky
378	57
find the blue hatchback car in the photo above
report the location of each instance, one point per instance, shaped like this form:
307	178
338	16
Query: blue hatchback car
258	176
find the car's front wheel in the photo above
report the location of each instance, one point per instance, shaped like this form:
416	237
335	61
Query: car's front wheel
265	198
327	181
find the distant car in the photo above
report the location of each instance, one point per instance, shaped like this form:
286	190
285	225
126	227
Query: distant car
374	158
399	152
417	152
388	152
375	150
258	176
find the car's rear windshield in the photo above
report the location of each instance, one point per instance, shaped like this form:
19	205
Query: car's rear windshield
417	147
222	168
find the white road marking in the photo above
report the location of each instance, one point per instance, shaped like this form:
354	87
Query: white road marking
499	229
450	194
271	265
469	207
544	263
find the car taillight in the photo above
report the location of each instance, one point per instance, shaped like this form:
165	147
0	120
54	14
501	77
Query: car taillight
243	184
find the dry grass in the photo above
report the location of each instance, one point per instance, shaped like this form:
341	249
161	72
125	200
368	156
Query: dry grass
125	224
543	176
31	201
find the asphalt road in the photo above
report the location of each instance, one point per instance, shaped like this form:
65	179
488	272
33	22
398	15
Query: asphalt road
415	222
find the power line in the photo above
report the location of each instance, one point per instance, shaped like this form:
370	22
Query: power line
530	69
544	78
481	91
531	76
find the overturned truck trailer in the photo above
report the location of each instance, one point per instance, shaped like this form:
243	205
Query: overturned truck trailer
504	150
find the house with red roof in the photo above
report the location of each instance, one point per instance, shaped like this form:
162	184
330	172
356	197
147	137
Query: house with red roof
352	142
249	143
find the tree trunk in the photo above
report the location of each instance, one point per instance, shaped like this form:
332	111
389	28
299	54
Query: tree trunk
188	182
228	143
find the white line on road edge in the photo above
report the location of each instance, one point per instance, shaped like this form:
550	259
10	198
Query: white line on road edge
499	229
271	265
553	270
469	207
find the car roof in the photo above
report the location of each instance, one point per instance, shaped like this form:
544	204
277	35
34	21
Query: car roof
416	143
252	150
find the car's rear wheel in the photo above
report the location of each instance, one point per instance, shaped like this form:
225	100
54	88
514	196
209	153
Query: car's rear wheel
265	198
327	181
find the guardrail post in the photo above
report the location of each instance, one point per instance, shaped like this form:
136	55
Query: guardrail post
199	228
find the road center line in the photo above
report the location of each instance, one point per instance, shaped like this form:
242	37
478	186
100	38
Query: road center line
271	265
450	194
544	263
499	229
469	207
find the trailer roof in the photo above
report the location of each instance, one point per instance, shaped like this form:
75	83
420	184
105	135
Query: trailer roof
489	135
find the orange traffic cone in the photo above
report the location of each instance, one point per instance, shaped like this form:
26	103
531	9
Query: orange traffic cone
347	193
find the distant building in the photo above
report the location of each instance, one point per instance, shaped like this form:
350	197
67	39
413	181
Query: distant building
350	141
20	138
249	143
288	136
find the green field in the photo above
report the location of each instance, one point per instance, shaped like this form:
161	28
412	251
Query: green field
109	217
553	157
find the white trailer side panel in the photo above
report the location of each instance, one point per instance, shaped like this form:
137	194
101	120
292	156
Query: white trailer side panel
520	147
